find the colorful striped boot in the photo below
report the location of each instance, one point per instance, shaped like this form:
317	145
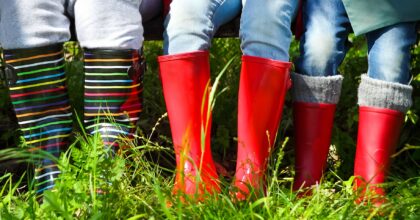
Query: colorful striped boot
113	88
36	82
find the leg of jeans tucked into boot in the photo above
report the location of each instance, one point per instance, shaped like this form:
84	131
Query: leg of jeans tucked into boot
381	116
36	81
315	99
263	85
113	87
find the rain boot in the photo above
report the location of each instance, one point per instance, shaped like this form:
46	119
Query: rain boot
378	135
315	99
186	81
313	126
36	81
262	90
381	117
113	88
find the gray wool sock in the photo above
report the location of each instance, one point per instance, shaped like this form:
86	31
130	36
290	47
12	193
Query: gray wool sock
316	89
382	94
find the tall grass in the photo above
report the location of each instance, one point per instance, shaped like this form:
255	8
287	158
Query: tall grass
136	188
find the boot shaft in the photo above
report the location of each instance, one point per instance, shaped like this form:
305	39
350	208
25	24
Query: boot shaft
313	123
186	86
378	135
382	106
262	90
315	99
36	81
113	93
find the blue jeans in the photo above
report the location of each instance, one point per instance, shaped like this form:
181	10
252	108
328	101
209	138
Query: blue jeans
324	44
99	23
264	32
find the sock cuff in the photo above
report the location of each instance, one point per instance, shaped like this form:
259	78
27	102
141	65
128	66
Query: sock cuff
316	89
382	94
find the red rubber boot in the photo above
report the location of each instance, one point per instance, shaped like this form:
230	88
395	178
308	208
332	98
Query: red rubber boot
313	126
262	89
378	135
185	81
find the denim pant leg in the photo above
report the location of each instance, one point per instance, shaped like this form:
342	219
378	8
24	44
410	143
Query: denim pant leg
323	43
191	24
29	23
111	24
265	28
389	52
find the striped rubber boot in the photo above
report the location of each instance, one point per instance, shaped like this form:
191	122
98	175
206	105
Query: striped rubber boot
113	88
36	82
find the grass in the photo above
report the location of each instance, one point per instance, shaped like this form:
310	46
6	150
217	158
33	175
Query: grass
138	180
137	188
